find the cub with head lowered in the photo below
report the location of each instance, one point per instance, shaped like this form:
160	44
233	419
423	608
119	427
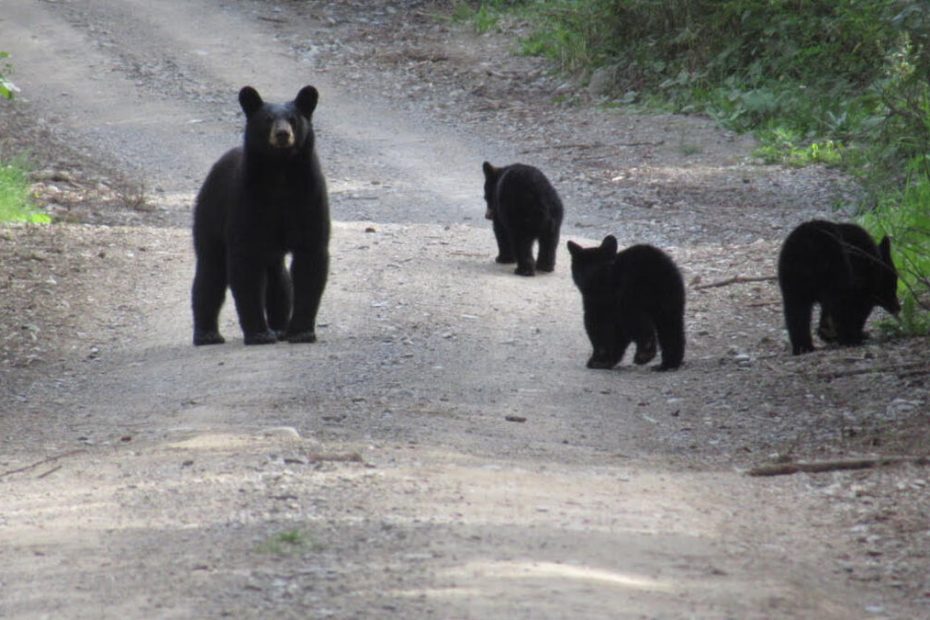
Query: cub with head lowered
839	267
260	202
636	295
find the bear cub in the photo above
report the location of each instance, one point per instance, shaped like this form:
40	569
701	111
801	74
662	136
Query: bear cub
524	208
636	295
262	201
839	267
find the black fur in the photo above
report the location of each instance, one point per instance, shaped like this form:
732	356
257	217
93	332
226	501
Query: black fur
636	295
260	202
524	208
840	267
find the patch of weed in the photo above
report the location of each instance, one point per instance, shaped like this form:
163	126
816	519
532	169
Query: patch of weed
15	199
288	542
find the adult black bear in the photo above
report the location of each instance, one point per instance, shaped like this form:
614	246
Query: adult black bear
632	296
839	267
524	208
262	201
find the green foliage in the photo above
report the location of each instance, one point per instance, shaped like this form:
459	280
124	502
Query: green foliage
905	217
7	88
783	145
15	202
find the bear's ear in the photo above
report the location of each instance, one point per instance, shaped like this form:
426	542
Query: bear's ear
250	100
884	249
489	170
609	245
573	248
306	100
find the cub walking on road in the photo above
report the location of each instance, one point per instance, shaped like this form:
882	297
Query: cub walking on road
636	295
524	208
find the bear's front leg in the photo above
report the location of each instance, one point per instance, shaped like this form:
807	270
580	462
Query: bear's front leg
309	270
523	246
603	337
279	298
207	294
849	319
248	280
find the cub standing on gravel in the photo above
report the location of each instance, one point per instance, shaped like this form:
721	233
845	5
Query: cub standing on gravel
262	201
632	296
839	267
524	208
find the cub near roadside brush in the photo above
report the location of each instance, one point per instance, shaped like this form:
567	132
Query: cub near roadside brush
524	208
839	267
637	295
260	202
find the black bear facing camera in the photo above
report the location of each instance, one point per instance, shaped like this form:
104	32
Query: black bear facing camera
262	201
524	209
839	267
636	295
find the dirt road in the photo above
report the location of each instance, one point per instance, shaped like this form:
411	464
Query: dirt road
442	452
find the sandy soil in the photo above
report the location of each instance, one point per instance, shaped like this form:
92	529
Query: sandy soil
442	452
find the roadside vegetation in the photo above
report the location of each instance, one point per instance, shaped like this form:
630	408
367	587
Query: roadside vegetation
843	84
15	196
7	88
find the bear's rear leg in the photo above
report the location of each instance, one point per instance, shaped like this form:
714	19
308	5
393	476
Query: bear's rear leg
638	327
645	350
827	329
526	264
548	245
671	334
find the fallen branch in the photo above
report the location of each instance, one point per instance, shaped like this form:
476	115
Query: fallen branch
49	472
736	280
913	368
782	469
49	459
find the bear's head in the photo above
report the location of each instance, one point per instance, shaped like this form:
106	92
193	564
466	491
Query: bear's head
278	129
491	176
591	266
886	292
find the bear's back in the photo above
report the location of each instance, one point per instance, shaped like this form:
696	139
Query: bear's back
525	190
646	275
822	256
